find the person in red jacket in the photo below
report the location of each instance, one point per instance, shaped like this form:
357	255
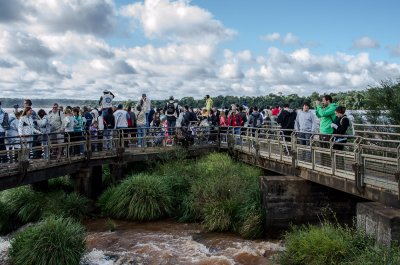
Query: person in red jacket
235	120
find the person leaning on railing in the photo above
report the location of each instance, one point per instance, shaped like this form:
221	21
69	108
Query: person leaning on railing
340	126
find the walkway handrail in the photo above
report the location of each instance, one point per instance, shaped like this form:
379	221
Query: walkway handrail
377	160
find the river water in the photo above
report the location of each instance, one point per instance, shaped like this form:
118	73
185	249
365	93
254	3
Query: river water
167	243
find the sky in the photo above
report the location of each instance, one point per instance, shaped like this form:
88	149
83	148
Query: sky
79	48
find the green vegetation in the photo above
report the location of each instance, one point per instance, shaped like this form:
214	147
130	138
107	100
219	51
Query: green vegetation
214	190
334	244
53	241
139	197
26	205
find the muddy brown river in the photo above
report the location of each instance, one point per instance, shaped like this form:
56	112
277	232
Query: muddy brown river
166	243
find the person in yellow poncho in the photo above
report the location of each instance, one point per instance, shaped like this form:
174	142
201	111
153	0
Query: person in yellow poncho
208	104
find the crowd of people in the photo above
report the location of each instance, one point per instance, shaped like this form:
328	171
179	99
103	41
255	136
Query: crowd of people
37	129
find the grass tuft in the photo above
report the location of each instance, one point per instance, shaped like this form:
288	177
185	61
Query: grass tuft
140	197
53	241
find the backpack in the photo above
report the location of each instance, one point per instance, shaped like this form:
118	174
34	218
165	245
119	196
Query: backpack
170	108
6	122
350	128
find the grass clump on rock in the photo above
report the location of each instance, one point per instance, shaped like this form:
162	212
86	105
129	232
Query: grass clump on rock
140	197
334	244
26	205
52	241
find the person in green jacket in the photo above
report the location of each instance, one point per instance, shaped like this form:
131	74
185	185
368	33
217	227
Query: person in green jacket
325	111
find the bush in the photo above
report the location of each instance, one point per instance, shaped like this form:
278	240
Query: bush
67	205
53	241
24	203
218	216
62	183
140	197
334	244
27	205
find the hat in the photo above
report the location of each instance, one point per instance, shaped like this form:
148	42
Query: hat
120	106
16	106
106	91
171	98
143	95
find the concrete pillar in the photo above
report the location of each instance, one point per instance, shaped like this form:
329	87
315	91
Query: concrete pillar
379	221
117	171
293	200
88	181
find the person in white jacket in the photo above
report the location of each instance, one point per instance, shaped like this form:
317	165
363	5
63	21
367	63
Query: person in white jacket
26	129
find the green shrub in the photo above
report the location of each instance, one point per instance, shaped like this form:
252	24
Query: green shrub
250	216
67	205
62	183
27	205
139	197
334	244
218	216
24	203
327	244
53	241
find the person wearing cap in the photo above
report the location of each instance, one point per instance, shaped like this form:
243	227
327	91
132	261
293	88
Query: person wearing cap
105	101
305	124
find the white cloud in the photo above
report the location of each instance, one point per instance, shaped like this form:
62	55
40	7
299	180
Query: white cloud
271	37
288	39
365	43
230	71
177	21
47	52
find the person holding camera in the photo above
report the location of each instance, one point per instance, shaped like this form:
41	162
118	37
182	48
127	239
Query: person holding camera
105	101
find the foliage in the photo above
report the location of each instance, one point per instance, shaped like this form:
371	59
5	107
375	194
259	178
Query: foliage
53	241
139	197
334	244
221	194
67	205
62	183
27	205
24	203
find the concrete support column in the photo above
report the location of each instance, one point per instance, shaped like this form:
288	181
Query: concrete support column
88	181
292	200
379	221
117	171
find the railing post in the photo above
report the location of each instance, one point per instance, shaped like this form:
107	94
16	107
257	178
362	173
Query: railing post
358	166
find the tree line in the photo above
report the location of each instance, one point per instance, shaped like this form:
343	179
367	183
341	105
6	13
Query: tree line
379	101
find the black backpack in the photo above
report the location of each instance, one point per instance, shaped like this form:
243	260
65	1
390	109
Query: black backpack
170	108
6	121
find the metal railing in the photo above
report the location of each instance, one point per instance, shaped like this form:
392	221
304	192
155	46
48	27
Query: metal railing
366	160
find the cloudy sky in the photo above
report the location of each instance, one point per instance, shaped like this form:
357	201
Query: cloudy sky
78	48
